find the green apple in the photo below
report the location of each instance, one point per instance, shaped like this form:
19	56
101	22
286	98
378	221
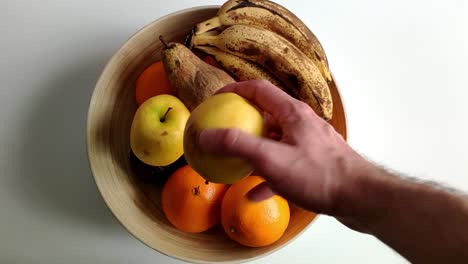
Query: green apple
157	132
224	110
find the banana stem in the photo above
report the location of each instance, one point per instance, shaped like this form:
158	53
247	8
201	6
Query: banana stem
202	40
208	25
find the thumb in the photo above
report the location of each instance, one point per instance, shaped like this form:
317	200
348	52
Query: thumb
260	152
271	159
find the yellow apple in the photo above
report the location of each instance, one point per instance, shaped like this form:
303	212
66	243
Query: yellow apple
157	132
224	110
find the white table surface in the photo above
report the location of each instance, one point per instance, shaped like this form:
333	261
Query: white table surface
402	67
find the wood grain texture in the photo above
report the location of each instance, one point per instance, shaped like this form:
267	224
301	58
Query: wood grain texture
135	204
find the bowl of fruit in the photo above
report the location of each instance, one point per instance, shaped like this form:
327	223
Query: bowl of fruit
155	95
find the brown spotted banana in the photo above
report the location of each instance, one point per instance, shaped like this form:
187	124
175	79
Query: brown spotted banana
280	57
273	17
242	69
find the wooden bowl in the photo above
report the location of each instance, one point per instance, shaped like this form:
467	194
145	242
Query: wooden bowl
134	203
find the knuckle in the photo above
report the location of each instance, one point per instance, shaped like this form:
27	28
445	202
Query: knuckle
262	151
296	111
304	108
262	83
328	129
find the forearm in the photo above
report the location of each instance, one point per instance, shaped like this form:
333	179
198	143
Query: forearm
423	223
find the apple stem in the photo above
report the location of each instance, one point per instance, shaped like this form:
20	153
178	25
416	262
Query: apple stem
162	40
163	118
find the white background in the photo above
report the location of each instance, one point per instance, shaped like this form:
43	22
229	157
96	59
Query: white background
403	71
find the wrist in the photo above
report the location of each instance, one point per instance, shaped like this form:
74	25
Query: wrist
368	194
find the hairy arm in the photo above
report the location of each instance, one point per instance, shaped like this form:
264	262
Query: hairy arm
424	222
312	166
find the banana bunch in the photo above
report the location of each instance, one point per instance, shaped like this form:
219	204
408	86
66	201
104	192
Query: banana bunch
259	39
242	69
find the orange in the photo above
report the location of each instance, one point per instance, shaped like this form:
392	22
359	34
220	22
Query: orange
190	203
151	82
253	223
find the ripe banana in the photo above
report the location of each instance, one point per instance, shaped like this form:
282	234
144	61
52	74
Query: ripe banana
280	57
242	69
273	17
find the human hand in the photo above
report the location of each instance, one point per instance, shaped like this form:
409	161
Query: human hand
311	165
314	168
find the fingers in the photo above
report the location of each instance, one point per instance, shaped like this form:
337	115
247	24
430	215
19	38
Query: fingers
276	162
283	108
352	224
260	152
260	192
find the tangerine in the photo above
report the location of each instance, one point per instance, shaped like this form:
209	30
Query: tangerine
253	223
191	203
151	82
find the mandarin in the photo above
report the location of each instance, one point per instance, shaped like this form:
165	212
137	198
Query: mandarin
191	203
253	223
151	82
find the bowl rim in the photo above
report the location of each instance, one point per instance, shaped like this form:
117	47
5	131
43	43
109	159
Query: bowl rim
92	100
